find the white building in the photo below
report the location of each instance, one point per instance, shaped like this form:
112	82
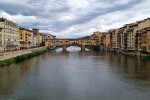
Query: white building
9	35
33	44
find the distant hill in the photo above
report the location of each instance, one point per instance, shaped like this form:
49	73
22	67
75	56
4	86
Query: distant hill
86	37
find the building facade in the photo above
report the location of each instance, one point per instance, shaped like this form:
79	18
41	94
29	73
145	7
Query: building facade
108	41
97	35
38	36
115	39
25	38
103	40
9	33
145	40
49	37
144	36
131	37
33	44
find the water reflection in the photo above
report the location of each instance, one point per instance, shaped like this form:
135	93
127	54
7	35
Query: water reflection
132	69
10	76
71	49
75	75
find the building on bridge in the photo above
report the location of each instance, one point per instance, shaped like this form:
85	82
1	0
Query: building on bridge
64	43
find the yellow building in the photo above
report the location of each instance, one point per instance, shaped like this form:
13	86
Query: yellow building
9	33
25	38
143	23
145	39
144	31
97	35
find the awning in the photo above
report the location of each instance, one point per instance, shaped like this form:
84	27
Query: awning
12	44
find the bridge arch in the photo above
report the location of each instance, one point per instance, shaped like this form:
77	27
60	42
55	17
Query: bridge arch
64	43
81	46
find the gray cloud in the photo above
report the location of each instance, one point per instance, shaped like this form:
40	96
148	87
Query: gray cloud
73	18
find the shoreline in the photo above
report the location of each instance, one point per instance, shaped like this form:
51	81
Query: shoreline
132	54
22	57
38	51
12	54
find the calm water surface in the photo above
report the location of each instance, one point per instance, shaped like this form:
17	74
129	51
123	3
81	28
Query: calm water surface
76	76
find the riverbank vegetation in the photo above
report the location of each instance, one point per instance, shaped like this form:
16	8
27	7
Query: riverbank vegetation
95	48
147	57
21	58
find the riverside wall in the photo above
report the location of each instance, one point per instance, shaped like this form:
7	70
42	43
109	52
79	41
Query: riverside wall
128	53
7	55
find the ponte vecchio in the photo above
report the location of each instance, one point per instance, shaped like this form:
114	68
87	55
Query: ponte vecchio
64	43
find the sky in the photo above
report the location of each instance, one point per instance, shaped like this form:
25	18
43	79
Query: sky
74	18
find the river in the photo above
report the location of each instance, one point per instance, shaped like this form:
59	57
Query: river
75	75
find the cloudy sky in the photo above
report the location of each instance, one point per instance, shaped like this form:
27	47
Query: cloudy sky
74	18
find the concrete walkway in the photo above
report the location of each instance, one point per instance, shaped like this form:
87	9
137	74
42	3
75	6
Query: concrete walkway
7	55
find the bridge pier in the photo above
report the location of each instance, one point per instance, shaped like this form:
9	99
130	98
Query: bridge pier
83	48
64	48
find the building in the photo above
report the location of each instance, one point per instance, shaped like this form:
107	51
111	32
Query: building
25	38
38	37
103	38
131	37
115	39
144	35
9	33
33	43
145	40
109	38
124	41
43	38
46	37
49	37
120	36
143	23
97	35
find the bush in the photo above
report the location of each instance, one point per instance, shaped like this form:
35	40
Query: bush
147	57
7	62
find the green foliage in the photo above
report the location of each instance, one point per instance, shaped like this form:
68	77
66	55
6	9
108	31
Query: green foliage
7	62
21	58
90	47
147	57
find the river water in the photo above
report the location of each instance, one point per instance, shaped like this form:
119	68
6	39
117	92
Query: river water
76	75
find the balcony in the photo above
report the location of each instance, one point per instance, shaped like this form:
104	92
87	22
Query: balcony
12	44
144	30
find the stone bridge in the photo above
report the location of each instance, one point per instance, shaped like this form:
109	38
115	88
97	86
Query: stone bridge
64	43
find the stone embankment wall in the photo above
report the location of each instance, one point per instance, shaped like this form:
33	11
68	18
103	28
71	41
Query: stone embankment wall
129	53
7	55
